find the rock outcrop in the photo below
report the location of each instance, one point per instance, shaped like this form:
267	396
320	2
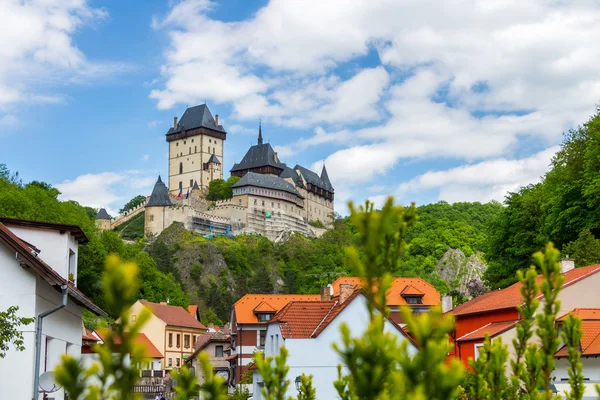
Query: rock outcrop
462	274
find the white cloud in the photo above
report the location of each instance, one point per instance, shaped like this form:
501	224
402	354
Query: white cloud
237	129
484	181
38	52
110	190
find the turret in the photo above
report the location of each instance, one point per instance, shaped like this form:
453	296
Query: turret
103	219
260	139
154	219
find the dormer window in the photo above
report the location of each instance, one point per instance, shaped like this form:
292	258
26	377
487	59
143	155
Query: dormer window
412	295
264	317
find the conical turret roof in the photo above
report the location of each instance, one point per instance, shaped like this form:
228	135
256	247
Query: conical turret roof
195	187
325	179
102	214
159	196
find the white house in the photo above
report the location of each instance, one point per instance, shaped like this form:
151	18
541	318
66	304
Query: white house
38	262
590	351
308	329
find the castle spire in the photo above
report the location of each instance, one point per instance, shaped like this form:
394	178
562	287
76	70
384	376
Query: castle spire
260	139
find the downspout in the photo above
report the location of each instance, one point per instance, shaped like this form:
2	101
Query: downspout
38	339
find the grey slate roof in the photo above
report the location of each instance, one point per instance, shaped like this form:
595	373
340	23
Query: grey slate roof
195	187
102	214
314	179
290	173
196	117
325	180
214	159
259	155
267	182
159	196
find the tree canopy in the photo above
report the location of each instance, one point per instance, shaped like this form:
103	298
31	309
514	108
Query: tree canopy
133	203
219	189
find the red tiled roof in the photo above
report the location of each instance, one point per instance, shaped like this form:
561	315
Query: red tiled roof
87	335
510	297
410	290
431	296
493	329
244	307
300	319
173	315
28	257
150	351
590	340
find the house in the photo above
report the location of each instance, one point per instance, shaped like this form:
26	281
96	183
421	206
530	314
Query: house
590	351
217	345
249	318
415	293
496	312
308	329
38	261
171	329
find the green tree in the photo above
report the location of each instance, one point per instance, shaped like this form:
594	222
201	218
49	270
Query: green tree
585	250
219	189
133	203
9	330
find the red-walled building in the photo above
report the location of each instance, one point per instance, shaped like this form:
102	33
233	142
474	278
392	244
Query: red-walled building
496	312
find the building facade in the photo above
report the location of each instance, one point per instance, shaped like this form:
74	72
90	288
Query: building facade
216	345
171	329
39	272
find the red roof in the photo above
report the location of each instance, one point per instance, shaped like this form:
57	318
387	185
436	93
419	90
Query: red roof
584	313
173	315
510	297
150	351
410	290
264	307
431	297
492	329
590	325
87	335
300	319
244	307
28	256
193	310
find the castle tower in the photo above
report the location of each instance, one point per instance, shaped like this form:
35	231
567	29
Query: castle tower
103	220
154	219
193	142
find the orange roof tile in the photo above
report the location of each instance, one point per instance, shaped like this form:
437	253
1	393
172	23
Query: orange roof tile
87	335
590	340
584	314
410	290
300	319
510	297
264	307
150	351
492	329
431	296
173	315
193	310
244	307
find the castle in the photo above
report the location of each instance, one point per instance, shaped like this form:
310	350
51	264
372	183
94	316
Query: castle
270	199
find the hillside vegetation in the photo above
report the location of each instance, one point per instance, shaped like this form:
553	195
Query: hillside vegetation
564	208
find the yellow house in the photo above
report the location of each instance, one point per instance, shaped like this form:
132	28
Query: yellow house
171	329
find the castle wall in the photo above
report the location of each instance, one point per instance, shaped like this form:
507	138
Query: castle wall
319	209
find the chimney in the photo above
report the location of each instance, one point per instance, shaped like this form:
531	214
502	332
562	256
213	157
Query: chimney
447	303
326	293
217	119
174	122
346	290
566	264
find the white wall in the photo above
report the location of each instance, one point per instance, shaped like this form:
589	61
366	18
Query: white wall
591	371
317	356
54	247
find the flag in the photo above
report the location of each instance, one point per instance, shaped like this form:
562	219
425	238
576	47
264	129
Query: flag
180	192
187	194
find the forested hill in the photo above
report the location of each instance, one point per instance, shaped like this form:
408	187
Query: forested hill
182	266
564	208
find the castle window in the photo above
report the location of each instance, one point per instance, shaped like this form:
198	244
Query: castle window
180	185
263	203
195	149
190	150
213	150
184	142
240	202
209	149
151	218
180	169
177	144
209	140
255	201
278	205
191	182
192	140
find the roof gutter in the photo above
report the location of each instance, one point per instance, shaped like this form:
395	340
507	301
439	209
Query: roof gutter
38	339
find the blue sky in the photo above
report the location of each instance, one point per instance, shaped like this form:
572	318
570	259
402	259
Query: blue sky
460	102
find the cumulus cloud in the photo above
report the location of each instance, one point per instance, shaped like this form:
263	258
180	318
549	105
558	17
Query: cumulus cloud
463	80
38	52
110	190
483	181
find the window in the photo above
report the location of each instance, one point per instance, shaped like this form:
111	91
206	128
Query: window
276	341
184	142
263	336
264	317
213	150
209	140
190	151
177	362
413	300
192	140
151	218
477	347
263	203
193	340
180	185
191	182
181	168
170	340
170	362
218	351
178	340
133	318
186	341
195	149
272	344
240	202
272	204
177	144
278	205
209	149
